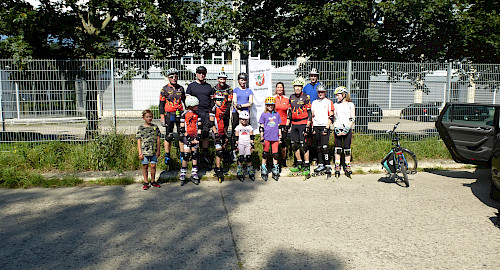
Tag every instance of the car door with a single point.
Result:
(468, 138)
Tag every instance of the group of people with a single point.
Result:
(202, 111)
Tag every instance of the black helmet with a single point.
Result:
(201, 69)
(243, 75)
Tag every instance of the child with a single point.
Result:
(270, 132)
(148, 145)
(217, 122)
(323, 115)
(191, 125)
(244, 140)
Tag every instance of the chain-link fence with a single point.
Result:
(74, 100)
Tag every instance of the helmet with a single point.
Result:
(243, 75)
(192, 101)
(218, 95)
(320, 88)
(340, 90)
(299, 81)
(172, 71)
(314, 72)
(244, 115)
(222, 74)
(201, 69)
(270, 101)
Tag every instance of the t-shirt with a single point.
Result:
(149, 136)
(171, 98)
(299, 106)
(218, 115)
(243, 97)
(321, 111)
(204, 92)
(282, 107)
(244, 133)
(227, 92)
(271, 122)
(311, 91)
(192, 122)
(343, 113)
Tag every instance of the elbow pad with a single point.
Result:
(252, 137)
(183, 130)
(352, 119)
(332, 118)
(261, 129)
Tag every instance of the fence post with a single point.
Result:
(18, 103)
(1, 103)
(448, 83)
(113, 94)
(349, 75)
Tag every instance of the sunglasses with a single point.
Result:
(204, 73)
(219, 99)
(173, 76)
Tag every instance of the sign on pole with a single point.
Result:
(260, 82)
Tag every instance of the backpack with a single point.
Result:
(389, 162)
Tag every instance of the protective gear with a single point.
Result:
(241, 158)
(243, 75)
(332, 118)
(239, 107)
(299, 81)
(261, 130)
(216, 136)
(219, 153)
(326, 154)
(303, 146)
(275, 156)
(270, 101)
(252, 137)
(167, 158)
(244, 115)
(172, 71)
(185, 156)
(218, 95)
(320, 88)
(201, 69)
(248, 158)
(192, 101)
(338, 130)
(295, 146)
(308, 130)
(194, 155)
(182, 130)
(325, 130)
(347, 151)
(346, 130)
(222, 74)
(340, 90)
(338, 150)
(314, 71)
(264, 154)
(170, 137)
(352, 119)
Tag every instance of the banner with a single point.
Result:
(260, 81)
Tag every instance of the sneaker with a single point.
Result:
(145, 186)
(154, 184)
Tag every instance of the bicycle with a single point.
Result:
(399, 159)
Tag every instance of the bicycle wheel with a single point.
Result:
(411, 161)
(402, 166)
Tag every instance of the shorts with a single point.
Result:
(188, 144)
(205, 124)
(244, 149)
(319, 138)
(272, 144)
(284, 136)
(171, 122)
(149, 159)
(221, 143)
(297, 133)
(343, 141)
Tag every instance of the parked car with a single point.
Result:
(374, 113)
(424, 112)
(471, 134)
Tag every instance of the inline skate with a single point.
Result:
(240, 174)
(219, 174)
(251, 173)
(195, 178)
(307, 172)
(276, 172)
(263, 172)
(337, 170)
(348, 171)
(182, 177)
(296, 171)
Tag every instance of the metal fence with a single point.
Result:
(43, 100)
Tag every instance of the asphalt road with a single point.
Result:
(445, 220)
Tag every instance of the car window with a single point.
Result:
(470, 114)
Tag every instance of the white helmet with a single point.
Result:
(222, 74)
(320, 88)
(299, 81)
(340, 90)
(314, 72)
(244, 115)
(192, 101)
(172, 71)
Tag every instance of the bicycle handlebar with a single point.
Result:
(392, 131)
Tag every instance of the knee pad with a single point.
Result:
(325, 149)
(205, 134)
(338, 150)
(219, 153)
(276, 156)
(170, 137)
(241, 158)
(347, 151)
(303, 146)
(248, 158)
(194, 155)
(264, 154)
(295, 146)
(185, 156)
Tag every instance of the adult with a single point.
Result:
(299, 121)
(172, 97)
(322, 117)
(204, 92)
(281, 107)
(345, 115)
(310, 88)
(242, 101)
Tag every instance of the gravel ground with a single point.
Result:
(445, 220)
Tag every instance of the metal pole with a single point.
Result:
(390, 95)
(113, 92)
(18, 104)
(349, 75)
(1, 103)
(448, 83)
